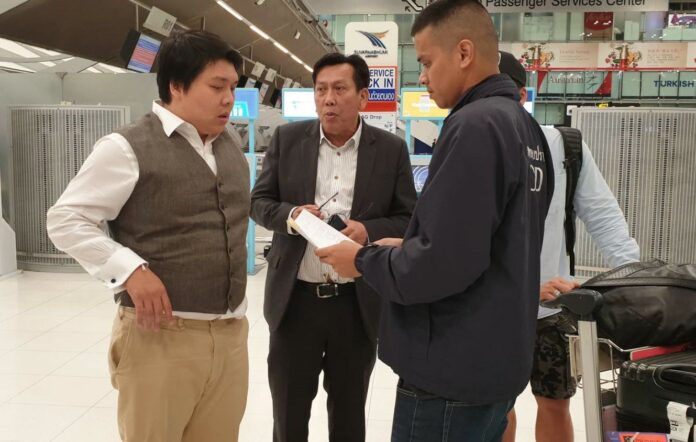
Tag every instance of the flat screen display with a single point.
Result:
(144, 54)
(299, 103)
(246, 104)
(418, 104)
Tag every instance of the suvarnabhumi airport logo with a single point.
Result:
(376, 40)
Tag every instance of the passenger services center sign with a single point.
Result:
(574, 5)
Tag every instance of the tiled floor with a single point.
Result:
(54, 383)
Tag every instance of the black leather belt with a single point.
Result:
(327, 290)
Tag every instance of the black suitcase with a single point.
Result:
(646, 386)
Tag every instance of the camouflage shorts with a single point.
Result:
(551, 371)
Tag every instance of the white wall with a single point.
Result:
(134, 90)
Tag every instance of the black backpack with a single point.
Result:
(572, 146)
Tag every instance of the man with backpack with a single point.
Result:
(580, 190)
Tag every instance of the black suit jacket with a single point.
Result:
(383, 201)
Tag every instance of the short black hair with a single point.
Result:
(361, 73)
(439, 11)
(185, 54)
(456, 20)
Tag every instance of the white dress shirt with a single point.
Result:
(77, 223)
(336, 170)
(595, 206)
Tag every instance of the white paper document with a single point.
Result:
(316, 231)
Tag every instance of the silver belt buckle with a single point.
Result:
(320, 295)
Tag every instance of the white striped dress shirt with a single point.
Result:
(335, 173)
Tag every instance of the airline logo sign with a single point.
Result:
(376, 39)
(376, 42)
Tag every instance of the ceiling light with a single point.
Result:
(45, 51)
(281, 47)
(297, 35)
(260, 32)
(294, 57)
(259, 2)
(113, 69)
(50, 64)
(16, 48)
(229, 9)
(93, 70)
(14, 66)
(308, 68)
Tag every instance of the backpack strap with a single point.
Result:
(572, 146)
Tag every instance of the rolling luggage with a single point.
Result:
(647, 386)
(635, 305)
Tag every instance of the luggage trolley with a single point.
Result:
(585, 360)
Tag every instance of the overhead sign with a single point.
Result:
(575, 5)
(342, 7)
(610, 56)
(376, 42)
(639, 56)
(417, 104)
(159, 21)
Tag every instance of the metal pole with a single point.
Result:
(409, 143)
(251, 231)
(589, 353)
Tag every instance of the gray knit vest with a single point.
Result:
(189, 225)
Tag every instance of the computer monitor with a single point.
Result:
(416, 103)
(298, 103)
(246, 104)
(139, 51)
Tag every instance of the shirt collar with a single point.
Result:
(172, 122)
(355, 138)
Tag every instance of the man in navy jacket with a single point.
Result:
(461, 290)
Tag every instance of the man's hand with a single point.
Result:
(356, 231)
(150, 298)
(393, 242)
(341, 257)
(311, 208)
(551, 289)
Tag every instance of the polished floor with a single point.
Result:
(54, 384)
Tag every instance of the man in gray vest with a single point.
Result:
(173, 188)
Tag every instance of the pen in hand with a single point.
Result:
(327, 201)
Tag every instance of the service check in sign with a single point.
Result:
(382, 88)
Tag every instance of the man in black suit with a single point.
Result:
(318, 320)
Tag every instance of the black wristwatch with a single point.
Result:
(362, 251)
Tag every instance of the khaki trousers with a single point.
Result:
(186, 382)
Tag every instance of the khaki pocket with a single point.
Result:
(118, 349)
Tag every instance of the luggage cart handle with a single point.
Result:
(581, 302)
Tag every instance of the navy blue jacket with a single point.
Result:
(462, 291)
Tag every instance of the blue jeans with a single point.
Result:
(425, 418)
